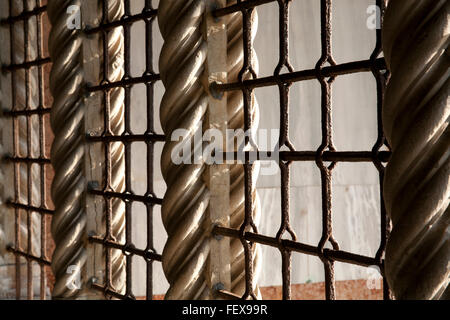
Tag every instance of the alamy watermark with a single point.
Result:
(208, 148)
(74, 281)
(74, 20)
(374, 19)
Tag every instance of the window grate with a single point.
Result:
(27, 116)
(111, 138)
(326, 157)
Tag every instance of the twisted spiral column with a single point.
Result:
(235, 105)
(117, 150)
(184, 105)
(67, 121)
(416, 118)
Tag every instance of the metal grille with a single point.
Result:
(326, 157)
(28, 115)
(127, 138)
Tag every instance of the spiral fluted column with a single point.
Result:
(235, 106)
(117, 150)
(67, 121)
(416, 118)
(184, 105)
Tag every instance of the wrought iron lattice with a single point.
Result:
(111, 138)
(326, 157)
(29, 122)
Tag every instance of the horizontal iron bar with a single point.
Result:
(335, 255)
(330, 71)
(30, 208)
(28, 112)
(126, 196)
(125, 82)
(128, 138)
(129, 249)
(112, 293)
(24, 15)
(29, 256)
(146, 14)
(239, 7)
(26, 65)
(28, 160)
(333, 156)
(336, 156)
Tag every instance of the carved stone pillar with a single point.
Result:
(416, 118)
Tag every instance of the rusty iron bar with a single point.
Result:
(26, 113)
(293, 156)
(125, 20)
(247, 70)
(381, 76)
(335, 255)
(41, 210)
(41, 161)
(24, 15)
(29, 257)
(327, 144)
(126, 82)
(26, 65)
(284, 141)
(109, 293)
(127, 196)
(151, 137)
(240, 6)
(287, 78)
(128, 249)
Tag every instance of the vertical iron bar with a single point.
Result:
(107, 132)
(381, 80)
(128, 189)
(248, 166)
(39, 44)
(15, 128)
(327, 144)
(284, 142)
(29, 154)
(150, 147)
